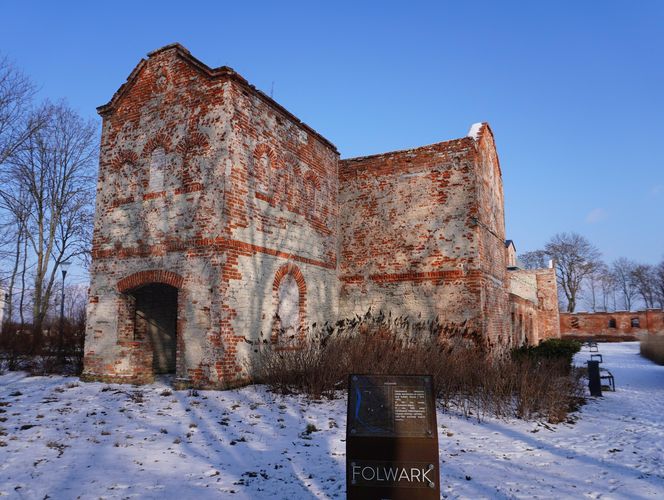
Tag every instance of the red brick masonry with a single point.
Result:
(208, 186)
(619, 325)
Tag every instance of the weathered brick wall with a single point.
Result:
(205, 178)
(548, 320)
(533, 305)
(491, 240)
(405, 233)
(523, 320)
(289, 217)
(618, 325)
(523, 306)
(422, 235)
(523, 283)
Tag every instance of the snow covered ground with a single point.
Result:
(60, 438)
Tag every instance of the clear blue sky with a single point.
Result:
(574, 90)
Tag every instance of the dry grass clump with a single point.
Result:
(652, 347)
(465, 377)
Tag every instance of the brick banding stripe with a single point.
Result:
(414, 277)
(220, 243)
(156, 194)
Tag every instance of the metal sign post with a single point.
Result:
(392, 438)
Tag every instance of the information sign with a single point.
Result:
(391, 438)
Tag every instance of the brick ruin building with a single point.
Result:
(222, 219)
(533, 298)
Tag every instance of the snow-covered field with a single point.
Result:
(60, 438)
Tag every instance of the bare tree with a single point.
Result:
(17, 122)
(608, 287)
(54, 167)
(76, 300)
(643, 280)
(595, 282)
(576, 258)
(537, 259)
(15, 208)
(622, 270)
(659, 283)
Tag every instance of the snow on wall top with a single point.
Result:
(474, 131)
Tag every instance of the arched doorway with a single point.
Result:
(156, 323)
(288, 309)
(290, 297)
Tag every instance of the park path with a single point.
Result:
(614, 449)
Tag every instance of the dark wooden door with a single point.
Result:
(156, 308)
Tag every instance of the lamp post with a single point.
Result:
(64, 266)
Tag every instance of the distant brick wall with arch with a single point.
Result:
(616, 325)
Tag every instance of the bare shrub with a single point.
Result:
(546, 387)
(15, 346)
(652, 347)
(53, 353)
(465, 376)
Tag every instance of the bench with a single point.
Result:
(605, 374)
(597, 356)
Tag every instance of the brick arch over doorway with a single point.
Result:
(131, 331)
(285, 272)
(152, 276)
